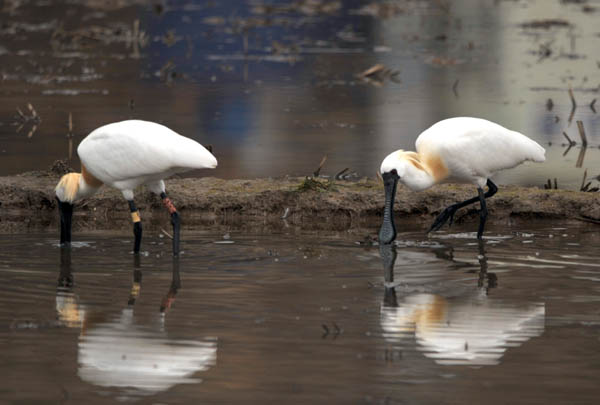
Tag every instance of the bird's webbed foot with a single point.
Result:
(445, 216)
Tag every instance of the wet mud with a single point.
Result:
(27, 202)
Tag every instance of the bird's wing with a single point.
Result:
(478, 147)
(132, 149)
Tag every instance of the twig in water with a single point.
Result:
(592, 105)
(573, 102)
(549, 104)
(70, 136)
(166, 233)
(582, 134)
(316, 172)
(580, 157)
(455, 87)
(339, 175)
(583, 181)
(593, 221)
(571, 142)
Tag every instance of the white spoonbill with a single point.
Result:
(125, 155)
(455, 150)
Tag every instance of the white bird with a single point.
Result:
(455, 150)
(125, 155)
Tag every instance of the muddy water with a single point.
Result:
(303, 318)
(274, 88)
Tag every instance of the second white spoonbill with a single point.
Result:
(455, 150)
(125, 155)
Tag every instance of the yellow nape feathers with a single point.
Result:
(67, 187)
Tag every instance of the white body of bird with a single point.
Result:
(129, 153)
(461, 150)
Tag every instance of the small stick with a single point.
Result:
(582, 133)
(555, 184)
(316, 172)
(580, 157)
(166, 233)
(338, 176)
(573, 102)
(583, 180)
(548, 186)
(454, 87)
(571, 142)
(592, 105)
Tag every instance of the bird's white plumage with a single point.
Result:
(475, 149)
(470, 149)
(129, 153)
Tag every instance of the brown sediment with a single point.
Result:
(27, 203)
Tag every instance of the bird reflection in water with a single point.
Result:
(471, 329)
(118, 352)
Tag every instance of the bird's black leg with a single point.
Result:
(448, 213)
(137, 226)
(175, 221)
(387, 233)
(65, 210)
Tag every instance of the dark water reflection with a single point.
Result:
(303, 318)
(273, 87)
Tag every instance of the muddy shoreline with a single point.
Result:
(27, 203)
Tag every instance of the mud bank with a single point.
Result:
(27, 203)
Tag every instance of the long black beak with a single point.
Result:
(65, 210)
(387, 233)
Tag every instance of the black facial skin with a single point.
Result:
(65, 210)
(387, 233)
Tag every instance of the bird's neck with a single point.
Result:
(86, 189)
(417, 176)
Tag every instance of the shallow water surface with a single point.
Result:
(303, 318)
(273, 86)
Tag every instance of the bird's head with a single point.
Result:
(68, 187)
(408, 168)
(394, 163)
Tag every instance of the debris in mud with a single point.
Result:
(61, 167)
(585, 187)
(377, 74)
(313, 184)
(548, 185)
(546, 24)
